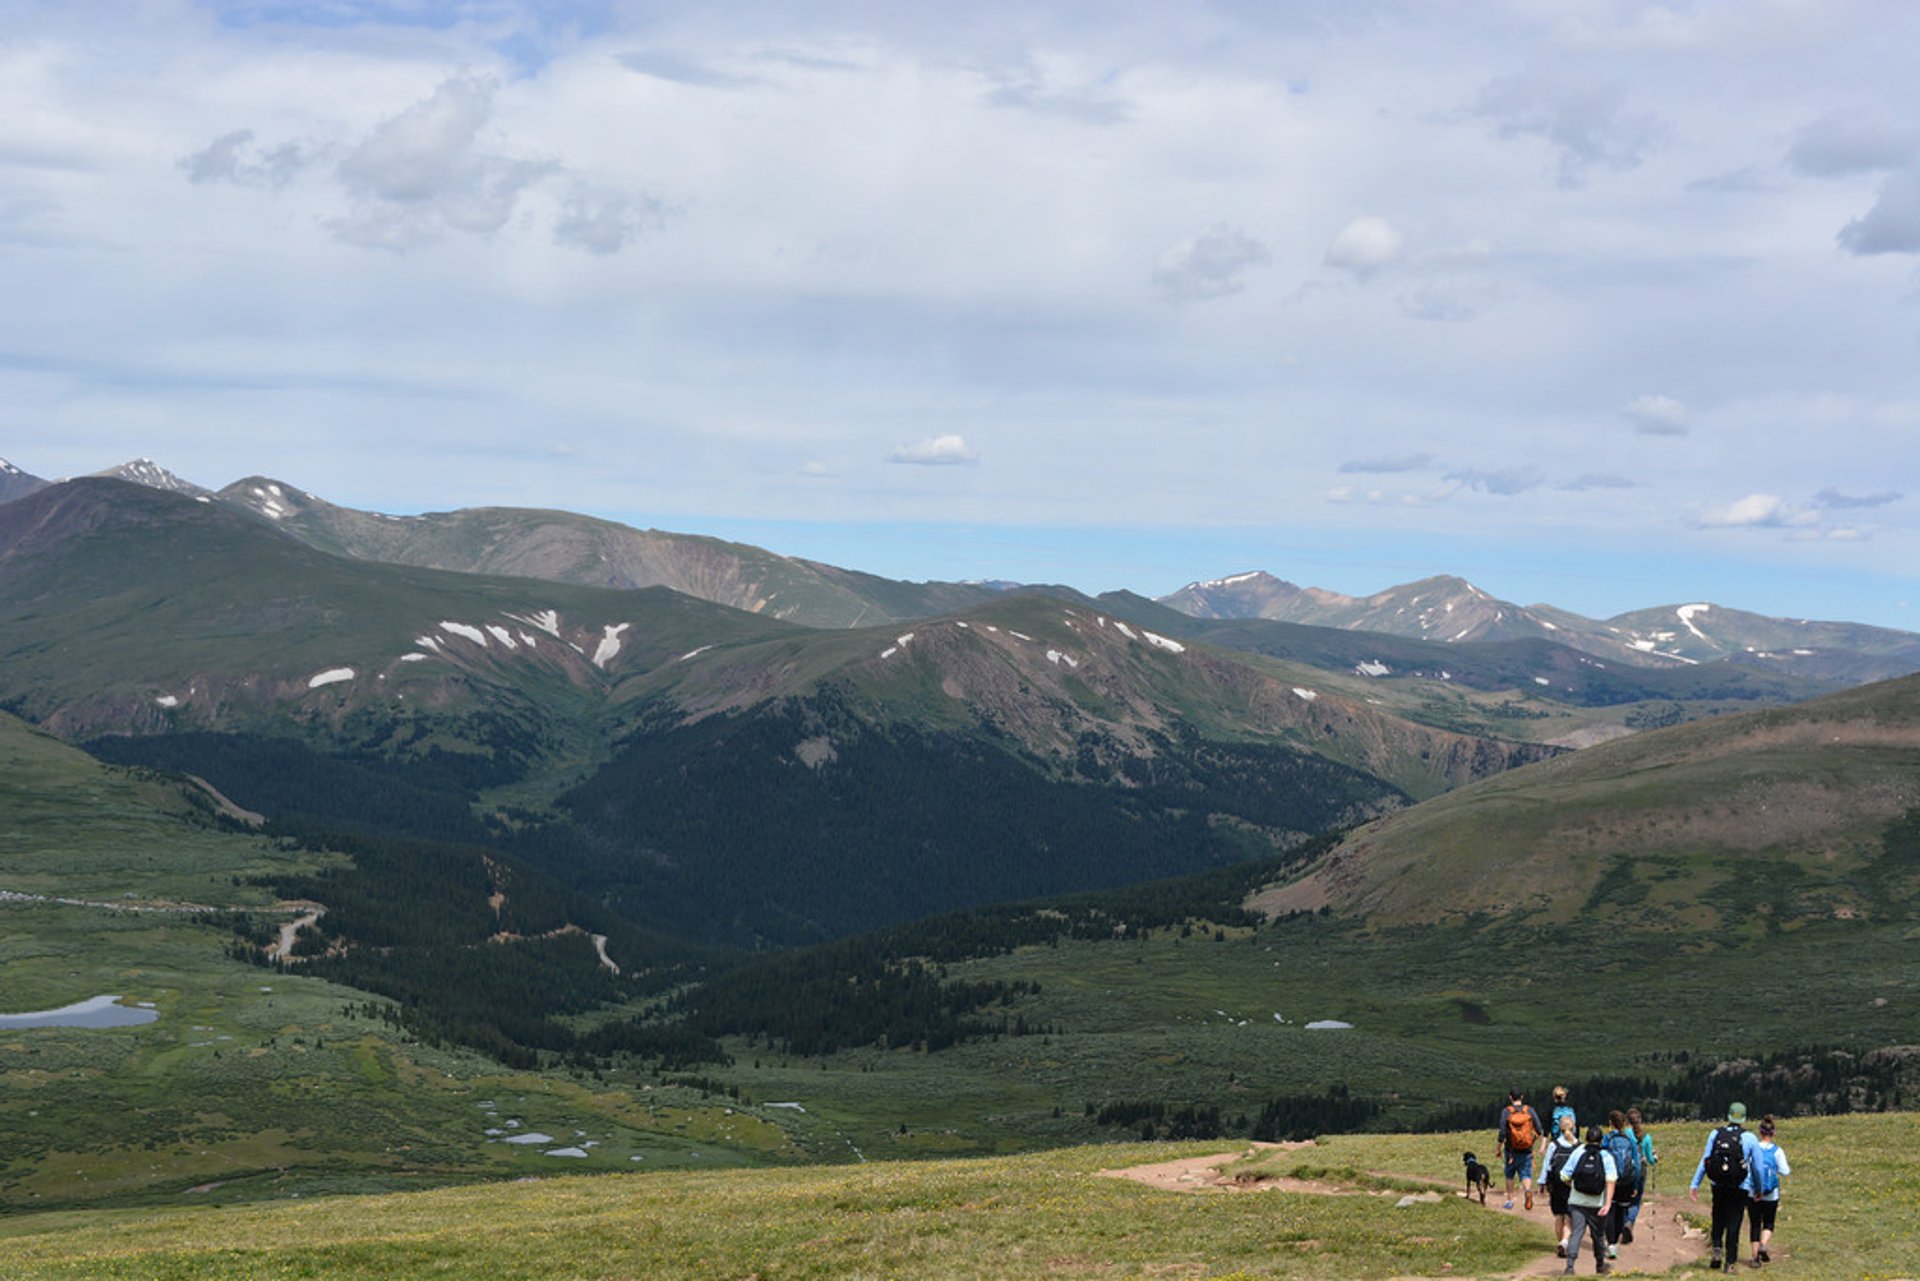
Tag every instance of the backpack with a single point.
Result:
(1726, 1159)
(1626, 1158)
(1590, 1173)
(1557, 1155)
(1520, 1131)
(1766, 1172)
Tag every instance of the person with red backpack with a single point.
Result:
(1518, 1131)
(1727, 1163)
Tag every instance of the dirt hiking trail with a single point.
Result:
(1662, 1241)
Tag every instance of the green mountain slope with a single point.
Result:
(755, 780)
(124, 609)
(1771, 817)
(564, 547)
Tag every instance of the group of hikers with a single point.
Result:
(1597, 1183)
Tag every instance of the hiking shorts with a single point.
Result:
(1519, 1164)
(1760, 1215)
(1557, 1193)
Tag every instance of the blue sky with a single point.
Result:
(1604, 304)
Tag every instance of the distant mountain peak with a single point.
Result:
(15, 483)
(144, 471)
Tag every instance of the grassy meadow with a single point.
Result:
(1847, 1213)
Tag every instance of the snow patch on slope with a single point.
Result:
(332, 676)
(609, 645)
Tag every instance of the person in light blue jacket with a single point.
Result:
(1589, 1210)
(1732, 1177)
(1763, 1189)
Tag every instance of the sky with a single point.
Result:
(1597, 303)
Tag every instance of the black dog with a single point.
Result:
(1479, 1178)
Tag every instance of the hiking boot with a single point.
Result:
(1764, 1256)
(1613, 1252)
(1560, 1251)
(1529, 1198)
(1603, 1269)
(1713, 1260)
(1733, 1266)
(1508, 1205)
(1626, 1236)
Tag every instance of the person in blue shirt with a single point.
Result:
(1732, 1184)
(1764, 1191)
(1589, 1210)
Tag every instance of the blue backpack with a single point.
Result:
(1766, 1172)
(1626, 1158)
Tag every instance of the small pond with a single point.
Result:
(100, 1011)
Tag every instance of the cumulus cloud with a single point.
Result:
(1588, 125)
(233, 158)
(1364, 246)
(1655, 415)
(423, 173)
(1504, 483)
(1892, 226)
(1759, 511)
(1849, 143)
(602, 222)
(1213, 264)
(1396, 463)
(1831, 497)
(935, 451)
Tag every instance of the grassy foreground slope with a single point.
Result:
(1847, 1214)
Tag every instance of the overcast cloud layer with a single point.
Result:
(1608, 304)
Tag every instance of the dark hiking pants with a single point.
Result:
(1729, 1207)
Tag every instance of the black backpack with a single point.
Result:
(1590, 1173)
(1556, 1162)
(1726, 1159)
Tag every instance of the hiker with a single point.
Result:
(1726, 1162)
(1553, 1177)
(1649, 1158)
(1624, 1148)
(1592, 1177)
(1518, 1131)
(1769, 1167)
(1561, 1108)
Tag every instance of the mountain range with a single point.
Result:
(632, 708)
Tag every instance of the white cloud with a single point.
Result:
(1892, 226)
(935, 451)
(1503, 482)
(603, 222)
(1758, 511)
(1598, 480)
(1656, 415)
(1213, 264)
(233, 158)
(1364, 246)
(422, 174)
(1588, 123)
(1831, 497)
(1851, 142)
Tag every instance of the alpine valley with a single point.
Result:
(456, 846)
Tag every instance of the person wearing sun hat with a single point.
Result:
(1727, 1162)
